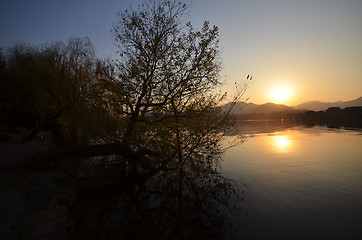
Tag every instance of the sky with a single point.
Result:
(296, 51)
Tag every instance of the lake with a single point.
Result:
(302, 183)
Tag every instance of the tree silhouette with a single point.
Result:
(50, 85)
(161, 86)
(162, 63)
(152, 113)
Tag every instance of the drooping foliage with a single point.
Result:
(53, 86)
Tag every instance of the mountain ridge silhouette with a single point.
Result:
(249, 107)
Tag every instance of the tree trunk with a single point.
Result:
(41, 160)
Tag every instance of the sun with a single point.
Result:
(280, 95)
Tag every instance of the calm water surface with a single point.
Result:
(304, 183)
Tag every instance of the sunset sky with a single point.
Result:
(306, 50)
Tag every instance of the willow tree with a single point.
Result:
(54, 85)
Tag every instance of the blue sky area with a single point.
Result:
(313, 48)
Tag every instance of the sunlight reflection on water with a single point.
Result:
(281, 143)
(302, 183)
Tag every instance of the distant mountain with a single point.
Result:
(267, 108)
(322, 106)
(248, 108)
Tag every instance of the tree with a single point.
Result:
(162, 63)
(53, 84)
(158, 93)
(73, 87)
(161, 86)
(169, 126)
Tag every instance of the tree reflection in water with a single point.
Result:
(155, 202)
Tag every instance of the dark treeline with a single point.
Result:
(335, 117)
(349, 117)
